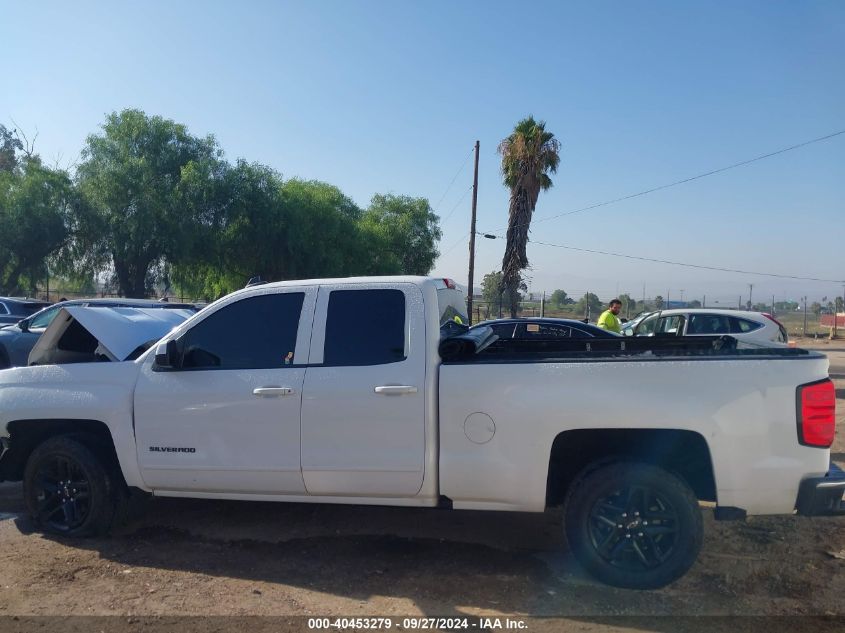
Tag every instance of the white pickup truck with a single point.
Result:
(334, 391)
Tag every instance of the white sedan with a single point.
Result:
(751, 327)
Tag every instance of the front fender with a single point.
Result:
(85, 391)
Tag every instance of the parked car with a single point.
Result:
(336, 391)
(17, 341)
(544, 328)
(13, 310)
(750, 327)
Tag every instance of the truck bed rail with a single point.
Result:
(639, 348)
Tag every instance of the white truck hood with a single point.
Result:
(86, 333)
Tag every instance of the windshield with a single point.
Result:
(44, 319)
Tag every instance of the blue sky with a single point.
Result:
(385, 96)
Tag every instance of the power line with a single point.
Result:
(666, 261)
(452, 247)
(461, 199)
(686, 180)
(454, 178)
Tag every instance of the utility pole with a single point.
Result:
(739, 303)
(543, 305)
(773, 306)
(805, 316)
(835, 311)
(750, 290)
(472, 235)
(704, 301)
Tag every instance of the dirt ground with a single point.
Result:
(191, 557)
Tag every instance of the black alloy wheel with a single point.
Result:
(72, 488)
(633, 525)
(62, 494)
(634, 528)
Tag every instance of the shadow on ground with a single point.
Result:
(462, 563)
(445, 562)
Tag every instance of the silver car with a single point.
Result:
(752, 327)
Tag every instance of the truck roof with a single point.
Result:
(412, 279)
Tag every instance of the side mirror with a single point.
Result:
(23, 324)
(167, 355)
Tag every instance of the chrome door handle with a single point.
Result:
(272, 391)
(395, 390)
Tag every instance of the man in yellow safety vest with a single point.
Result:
(609, 319)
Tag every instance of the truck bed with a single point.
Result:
(634, 348)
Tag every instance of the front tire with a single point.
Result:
(633, 525)
(69, 490)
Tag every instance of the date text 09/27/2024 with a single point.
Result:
(418, 623)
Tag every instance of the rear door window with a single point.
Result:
(365, 327)
(741, 326)
(542, 331)
(709, 325)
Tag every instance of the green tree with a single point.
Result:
(695, 303)
(407, 228)
(816, 308)
(559, 298)
(491, 292)
(34, 208)
(10, 145)
(274, 229)
(840, 302)
(529, 155)
(136, 217)
(589, 303)
(658, 302)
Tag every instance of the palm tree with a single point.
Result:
(529, 155)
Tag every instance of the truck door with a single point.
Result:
(227, 420)
(363, 407)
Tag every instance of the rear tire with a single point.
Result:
(70, 491)
(633, 525)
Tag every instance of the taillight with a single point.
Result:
(816, 408)
(450, 283)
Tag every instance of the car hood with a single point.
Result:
(87, 334)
